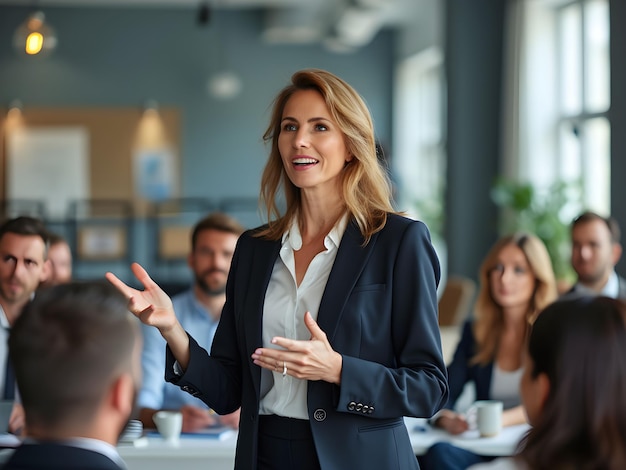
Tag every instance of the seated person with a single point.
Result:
(213, 241)
(516, 282)
(596, 249)
(60, 261)
(573, 388)
(23, 266)
(76, 351)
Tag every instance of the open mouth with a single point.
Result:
(304, 161)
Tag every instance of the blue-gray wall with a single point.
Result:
(617, 115)
(474, 38)
(125, 56)
(162, 54)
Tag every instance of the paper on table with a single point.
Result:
(213, 432)
(9, 440)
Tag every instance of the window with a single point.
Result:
(565, 98)
(419, 158)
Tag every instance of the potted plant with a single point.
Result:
(546, 213)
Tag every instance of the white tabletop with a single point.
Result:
(196, 453)
(504, 444)
(190, 453)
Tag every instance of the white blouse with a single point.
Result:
(283, 315)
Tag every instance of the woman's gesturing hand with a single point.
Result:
(313, 359)
(152, 306)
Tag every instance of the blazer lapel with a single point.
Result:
(349, 263)
(264, 255)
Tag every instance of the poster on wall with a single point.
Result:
(154, 173)
(50, 164)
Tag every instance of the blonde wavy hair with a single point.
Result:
(488, 316)
(366, 186)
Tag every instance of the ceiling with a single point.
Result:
(339, 24)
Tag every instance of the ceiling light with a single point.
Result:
(358, 26)
(224, 85)
(34, 36)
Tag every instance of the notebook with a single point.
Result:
(219, 433)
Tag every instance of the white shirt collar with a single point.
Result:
(4, 321)
(294, 238)
(610, 289)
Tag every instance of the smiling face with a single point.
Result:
(512, 280)
(310, 143)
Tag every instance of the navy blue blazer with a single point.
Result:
(460, 371)
(379, 310)
(52, 456)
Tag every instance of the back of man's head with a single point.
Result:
(69, 346)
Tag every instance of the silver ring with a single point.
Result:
(284, 368)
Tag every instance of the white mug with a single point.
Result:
(488, 417)
(169, 424)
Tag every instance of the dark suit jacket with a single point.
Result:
(574, 292)
(49, 456)
(379, 310)
(460, 371)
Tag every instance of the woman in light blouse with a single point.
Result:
(517, 281)
(329, 334)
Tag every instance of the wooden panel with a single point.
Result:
(114, 133)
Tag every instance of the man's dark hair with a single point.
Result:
(67, 347)
(25, 225)
(611, 223)
(216, 221)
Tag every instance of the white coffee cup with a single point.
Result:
(169, 424)
(488, 417)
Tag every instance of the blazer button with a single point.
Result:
(371, 410)
(351, 406)
(319, 414)
(359, 407)
(365, 409)
(192, 391)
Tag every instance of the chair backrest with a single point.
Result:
(455, 301)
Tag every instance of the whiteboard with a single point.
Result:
(49, 164)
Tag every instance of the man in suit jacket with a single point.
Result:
(596, 249)
(76, 354)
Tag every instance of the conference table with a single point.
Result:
(196, 453)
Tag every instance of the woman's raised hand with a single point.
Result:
(152, 306)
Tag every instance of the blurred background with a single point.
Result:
(124, 121)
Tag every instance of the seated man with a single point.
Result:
(213, 241)
(596, 249)
(60, 258)
(23, 266)
(76, 354)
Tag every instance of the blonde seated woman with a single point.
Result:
(516, 282)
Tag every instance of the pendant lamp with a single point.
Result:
(34, 37)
